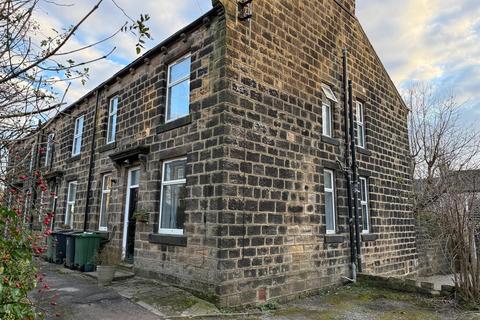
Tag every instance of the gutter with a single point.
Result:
(92, 159)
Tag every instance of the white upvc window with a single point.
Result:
(327, 114)
(32, 157)
(77, 136)
(70, 205)
(365, 210)
(49, 149)
(330, 209)
(172, 204)
(112, 119)
(105, 202)
(178, 89)
(360, 123)
(327, 118)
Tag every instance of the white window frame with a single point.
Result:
(112, 119)
(360, 124)
(327, 90)
(165, 183)
(334, 209)
(327, 117)
(365, 213)
(49, 148)
(69, 219)
(77, 135)
(105, 191)
(32, 157)
(169, 85)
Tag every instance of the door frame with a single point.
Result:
(127, 208)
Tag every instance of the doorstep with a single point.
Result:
(119, 275)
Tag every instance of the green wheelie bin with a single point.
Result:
(87, 245)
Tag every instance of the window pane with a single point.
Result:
(364, 216)
(77, 145)
(107, 182)
(180, 70)
(134, 177)
(361, 136)
(72, 189)
(113, 105)
(173, 207)
(329, 93)
(327, 120)
(360, 112)
(112, 124)
(70, 213)
(178, 100)
(79, 125)
(329, 211)
(104, 212)
(328, 180)
(175, 170)
(363, 189)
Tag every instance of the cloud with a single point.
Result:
(166, 17)
(429, 40)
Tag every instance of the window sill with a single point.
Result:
(334, 238)
(364, 151)
(108, 146)
(367, 237)
(330, 140)
(168, 239)
(180, 122)
(73, 159)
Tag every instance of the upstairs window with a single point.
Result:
(112, 120)
(105, 202)
(77, 136)
(330, 209)
(70, 205)
(360, 124)
(32, 157)
(49, 149)
(178, 89)
(365, 212)
(172, 204)
(327, 115)
(327, 118)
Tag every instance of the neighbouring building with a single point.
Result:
(227, 141)
(458, 188)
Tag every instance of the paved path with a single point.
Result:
(80, 298)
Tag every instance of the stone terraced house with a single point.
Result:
(228, 138)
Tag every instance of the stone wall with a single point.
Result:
(273, 242)
(255, 227)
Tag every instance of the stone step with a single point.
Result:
(119, 275)
(125, 267)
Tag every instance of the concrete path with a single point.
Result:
(80, 298)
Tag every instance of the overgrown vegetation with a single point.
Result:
(17, 271)
(444, 152)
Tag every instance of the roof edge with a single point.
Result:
(138, 61)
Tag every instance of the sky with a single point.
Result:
(437, 41)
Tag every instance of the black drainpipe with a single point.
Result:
(90, 166)
(347, 164)
(355, 179)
